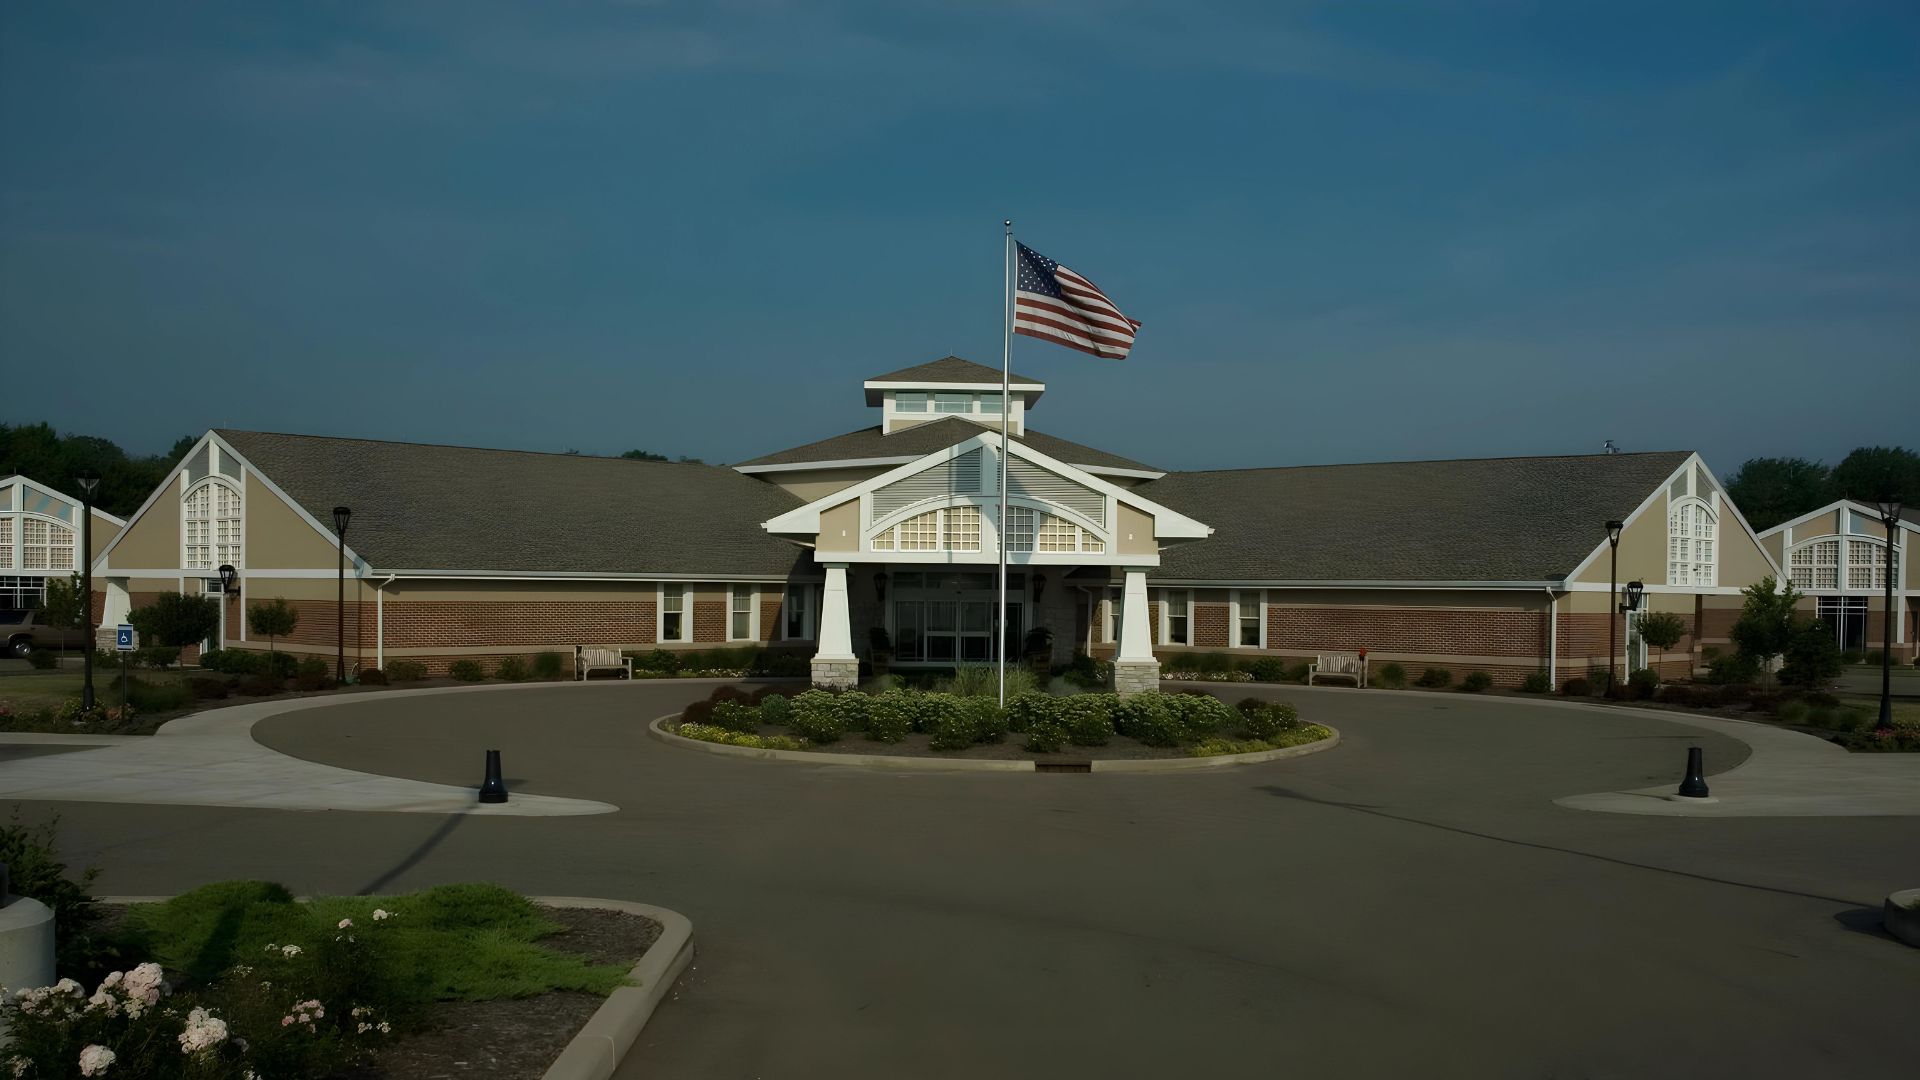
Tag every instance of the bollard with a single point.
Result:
(494, 790)
(1695, 785)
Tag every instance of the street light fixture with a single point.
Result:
(340, 516)
(228, 575)
(1613, 591)
(1889, 516)
(88, 480)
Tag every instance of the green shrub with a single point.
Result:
(313, 673)
(1298, 672)
(32, 858)
(659, 661)
(158, 697)
(1021, 680)
(1809, 657)
(205, 688)
(889, 716)
(1214, 747)
(735, 716)
(1476, 681)
(955, 731)
(712, 734)
(1200, 714)
(176, 620)
(157, 656)
(1268, 669)
(1270, 720)
(551, 666)
(43, 660)
(974, 680)
(729, 693)
(261, 685)
(1792, 712)
(1852, 656)
(989, 720)
(1150, 718)
(1209, 663)
(406, 670)
(1732, 668)
(1023, 710)
(1642, 682)
(1838, 717)
(775, 709)
(1086, 673)
(370, 676)
(819, 716)
(1434, 678)
(1576, 687)
(1897, 740)
(1390, 676)
(1046, 733)
(699, 712)
(1537, 682)
(1874, 657)
(1662, 629)
(511, 669)
(1088, 719)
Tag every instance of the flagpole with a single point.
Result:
(1006, 406)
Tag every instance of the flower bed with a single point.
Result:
(901, 721)
(244, 982)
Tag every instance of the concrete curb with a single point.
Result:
(609, 1034)
(1902, 916)
(597, 1048)
(897, 762)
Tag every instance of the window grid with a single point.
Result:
(962, 528)
(1247, 606)
(673, 613)
(6, 544)
(1815, 565)
(1020, 528)
(1690, 544)
(45, 546)
(1175, 606)
(742, 613)
(1866, 565)
(1058, 535)
(920, 532)
(212, 526)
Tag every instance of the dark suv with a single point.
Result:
(24, 633)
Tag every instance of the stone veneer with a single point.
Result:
(1134, 676)
(836, 674)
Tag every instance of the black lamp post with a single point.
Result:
(340, 516)
(88, 480)
(1613, 592)
(1889, 516)
(1635, 590)
(228, 575)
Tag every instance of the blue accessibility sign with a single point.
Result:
(123, 637)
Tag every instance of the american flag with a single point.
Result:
(1052, 302)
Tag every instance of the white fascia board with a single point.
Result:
(1296, 583)
(842, 463)
(806, 519)
(974, 387)
(1136, 474)
(565, 575)
(167, 484)
(1601, 547)
(20, 480)
(1839, 504)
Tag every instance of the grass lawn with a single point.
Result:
(1906, 711)
(47, 689)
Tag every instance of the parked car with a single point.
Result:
(24, 632)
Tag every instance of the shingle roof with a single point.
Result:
(949, 369)
(1488, 519)
(422, 507)
(937, 435)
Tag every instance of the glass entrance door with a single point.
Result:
(947, 618)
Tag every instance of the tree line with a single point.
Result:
(40, 453)
(1771, 490)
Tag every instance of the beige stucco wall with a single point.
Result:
(1643, 551)
(840, 528)
(811, 484)
(103, 533)
(1133, 532)
(277, 538)
(1742, 560)
(151, 541)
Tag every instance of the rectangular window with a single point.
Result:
(1247, 618)
(1866, 565)
(941, 624)
(740, 616)
(23, 593)
(1815, 565)
(913, 403)
(6, 544)
(1019, 528)
(1176, 609)
(963, 528)
(990, 404)
(673, 613)
(907, 641)
(1116, 615)
(953, 403)
(799, 612)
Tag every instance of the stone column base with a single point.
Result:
(836, 674)
(1134, 676)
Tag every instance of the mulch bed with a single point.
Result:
(520, 1038)
(1013, 748)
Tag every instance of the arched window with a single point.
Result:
(1691, 532)
(1815, 565)
(212, 526)
(45, 545)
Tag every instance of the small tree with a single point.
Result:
(176, 621)
(1662, 629)
(1812, 655)
(272, 619)
(64, 604)
(1766, 622)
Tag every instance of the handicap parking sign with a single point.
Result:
(123, 638)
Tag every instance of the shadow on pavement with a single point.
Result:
(414, 858)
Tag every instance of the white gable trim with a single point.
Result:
(20, 480)
(1839, 504)
(1726, 504)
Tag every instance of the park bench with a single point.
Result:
(1339, 665)
(589, 658)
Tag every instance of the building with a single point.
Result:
(1837, 556)
(40, 534)
(887, 537)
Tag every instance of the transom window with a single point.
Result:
(741, 615)
(914, 403)
(45, 545)
(1029, 529)
(212, 520)
(1815, 565)
(953, 403)
(948, 528)
(23, 593)
(1691, 535)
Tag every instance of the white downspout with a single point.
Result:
(1553, 641)
(380, 622)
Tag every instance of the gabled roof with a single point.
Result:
(20, 478)
(950, 369)
(871, 446)
(456, 508)
(1909, 515)
(1519, 520)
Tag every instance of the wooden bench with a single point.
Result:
(588, 658)
(1339, 665)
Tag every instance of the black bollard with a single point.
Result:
(1695, 785)
(494, 790)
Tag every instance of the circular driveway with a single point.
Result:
(1409, 903)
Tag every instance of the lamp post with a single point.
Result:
(1613, 592)
(340, 516)
(228, 575)
(88, 480)
(1635, 590)
(1889, 516)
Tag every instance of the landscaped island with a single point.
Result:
(1184, 724)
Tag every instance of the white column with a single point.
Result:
(836, 627)
(1136, 639)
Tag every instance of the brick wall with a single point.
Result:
(418, 624)
(1210, 625)
(770, 604)
(1451, 631)
(710, 622)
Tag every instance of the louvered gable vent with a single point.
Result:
(960, 476)
(1030, 480)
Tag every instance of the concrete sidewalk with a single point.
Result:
(211, 759)
(1788, 775)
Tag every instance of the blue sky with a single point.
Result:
(1353, 232)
